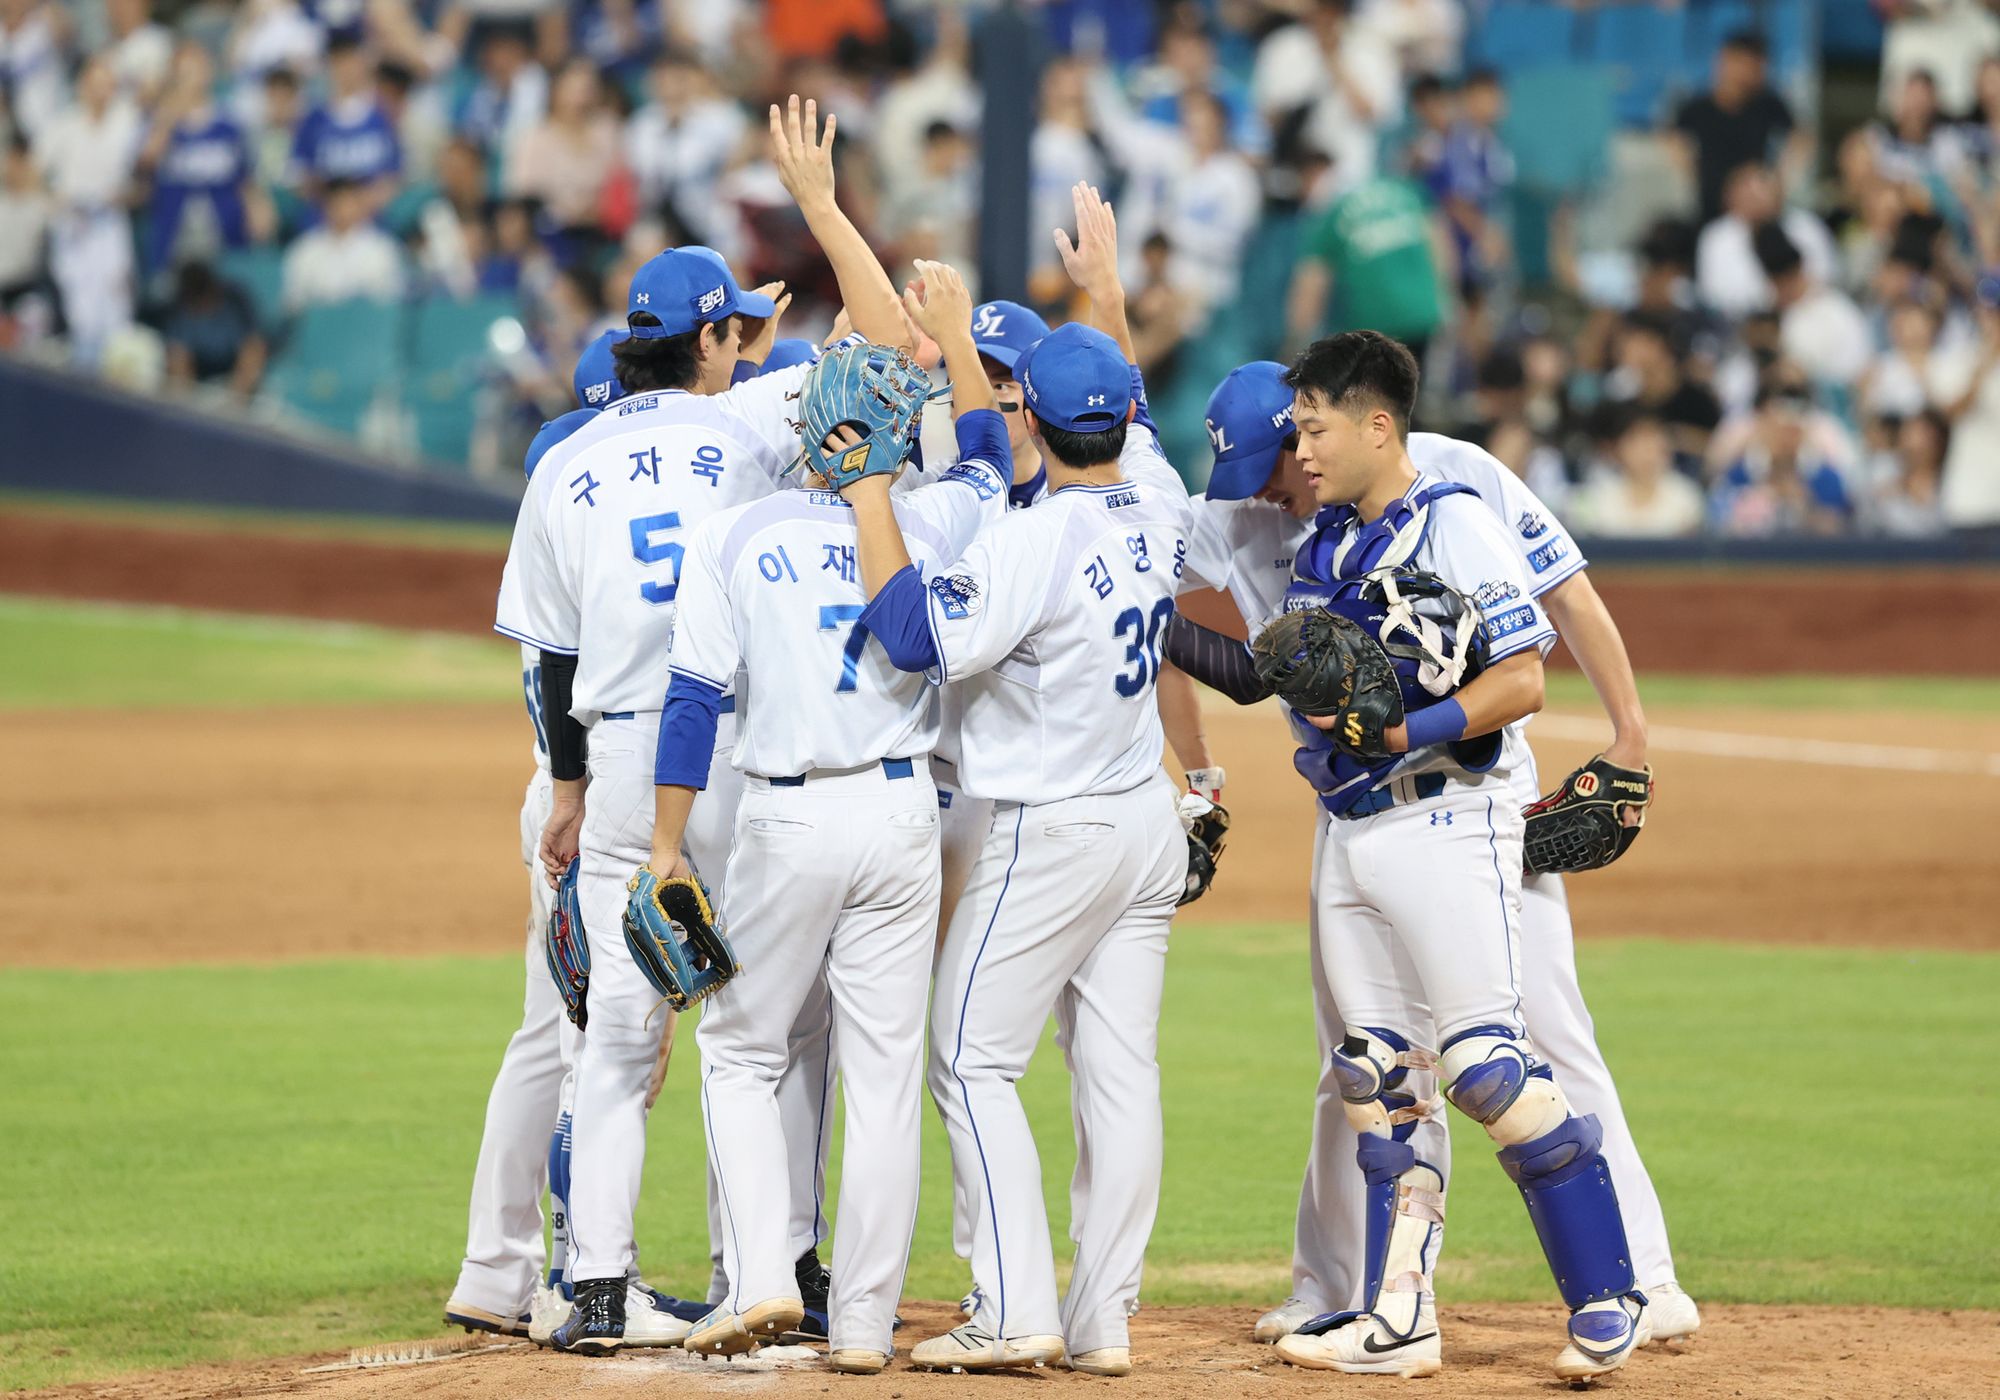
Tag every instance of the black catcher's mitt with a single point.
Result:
(1580, 826)
(1320, 663)
(1207, 826)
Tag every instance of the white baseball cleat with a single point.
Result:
(647, 1324)
(1288, 1316)
(474, 1319)
(1103, 1361)
(1672, 1313)
(1602, 1338)
(973, 1348)
(726, 1333)
(547, 1310)
(857, 1361)
(1364, 1346)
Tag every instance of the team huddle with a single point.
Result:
(850, 706)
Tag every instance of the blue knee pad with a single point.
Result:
(1361, 1078)
(1567, 1186)
(1488, 1089)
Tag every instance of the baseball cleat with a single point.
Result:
(481, 1320)
(1103, 1361)
(597, 1319)
(726, 1333)
(1363, 1345)
(858, 1361)
(815, 1283)
(686, 1309)
(547, 1310)
(1671, 1312)
(973, 1348)
(1288, 1316)
(647, 1324)
(1602, 1337)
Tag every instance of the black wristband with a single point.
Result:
(1220, 662)
(568, 739)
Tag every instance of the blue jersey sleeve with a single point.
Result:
(982, 437)
(897, 618)
(687, 732)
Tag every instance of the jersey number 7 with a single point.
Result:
(831, 617)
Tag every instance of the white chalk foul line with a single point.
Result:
(1829, 753)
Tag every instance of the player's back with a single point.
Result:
(1082, 585)
(598, 552)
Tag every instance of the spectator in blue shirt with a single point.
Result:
(1781, 484)
(201, 167)
(1473, 172)
(348, 136)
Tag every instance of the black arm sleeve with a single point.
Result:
(1219, 662)
(566, 736)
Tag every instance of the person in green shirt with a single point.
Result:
(1373, 261)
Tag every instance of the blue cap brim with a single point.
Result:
(1001, 355)
(1242, 474)
(752, 304)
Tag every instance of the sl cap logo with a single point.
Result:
(1218, 436)
(709, 300)
(986, 322)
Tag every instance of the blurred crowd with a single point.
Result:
(1806, 341)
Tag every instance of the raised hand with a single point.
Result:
(760, 335)
(939, 303)
(802, 152)
(1092, 261)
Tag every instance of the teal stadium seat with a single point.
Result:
(260, 271)
(448, 354)
(1644, 48)
(1517, 34)
(337, 361)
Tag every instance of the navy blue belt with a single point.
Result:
(728, 707)
(891, 768)
(1381, 799)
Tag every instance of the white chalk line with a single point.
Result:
(1827, 753)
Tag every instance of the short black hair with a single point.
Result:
(1776, 253)
(667, 363)
(1427, 86)
(343, 41)
(395, 75)
(1356, 368)
(1747, 41)
(939, 130)
(1481, 76)
(1074, 449)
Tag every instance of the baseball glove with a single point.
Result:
(1580, 826)
(566, 948)
(1207, 826)
(878, 392)
(1320, 663)
(675, 937)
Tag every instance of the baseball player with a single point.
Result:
(498, 1287)
(1418, 888)
(1255, 515)
(591, 581)
(835, 864)
(1050, 624)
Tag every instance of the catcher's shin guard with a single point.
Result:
(1567, 1185)
(1404, 1209)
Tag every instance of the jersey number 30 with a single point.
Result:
(647, 552)
(1143, 651)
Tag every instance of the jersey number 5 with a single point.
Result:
(1143, 651)
(647, 552)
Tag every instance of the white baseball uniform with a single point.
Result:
(834, 872)
(1246, 549)
(594, 571)
(1051, 626)
(503, 1238)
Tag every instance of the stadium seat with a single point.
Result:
(1519, 34)
(260, 271)
(1643, 47)
(337, 361)
(447, 354)
(1559, 124)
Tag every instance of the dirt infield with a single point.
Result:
(1739, 621)
(424, 802)
(1491, 1353)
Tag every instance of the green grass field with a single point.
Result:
(222, 1162)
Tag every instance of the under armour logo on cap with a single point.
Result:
(1095, 400)
(643, 297)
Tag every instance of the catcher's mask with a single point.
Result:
(1435, 637)
(877, 391)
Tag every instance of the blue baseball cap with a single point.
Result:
(1076, 378)
(786, 353)
(688, 287)
(1249, 417)
(596, 377)
(1004, 331)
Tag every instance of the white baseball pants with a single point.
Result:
(503, 1238)
(1075, 895)
(608, 1121)
(835, 879)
